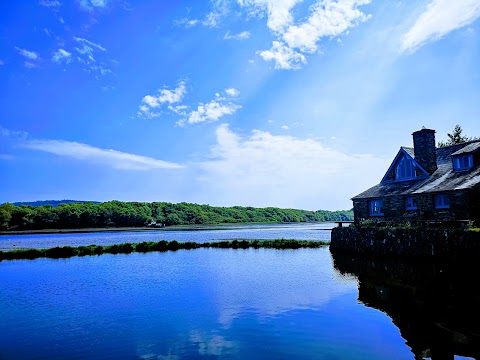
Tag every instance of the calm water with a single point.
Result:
(237, 304)
(305, 231)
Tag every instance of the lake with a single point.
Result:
(298, 231)
(237, 304)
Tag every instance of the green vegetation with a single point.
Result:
(456, 137)
(136, 214)
(143, 247)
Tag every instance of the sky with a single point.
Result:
(285, 103)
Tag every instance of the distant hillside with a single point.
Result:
(54, 203)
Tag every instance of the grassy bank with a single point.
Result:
(143, 247)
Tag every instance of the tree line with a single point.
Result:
(137, 214)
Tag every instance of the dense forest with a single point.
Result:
(135, 214)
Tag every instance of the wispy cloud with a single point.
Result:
(27, 54)
(89, 43)
(440, 18)
(219, 9)
(266, 169)
(61, 56)
(108, 157)
(93, 4)
(7, 157)
(86, 54)
(240, 36)
(50, 3)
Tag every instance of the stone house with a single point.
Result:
(426, 183)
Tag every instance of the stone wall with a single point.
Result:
(462, 204)
(405, 242)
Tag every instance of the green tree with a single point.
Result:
(455, 137)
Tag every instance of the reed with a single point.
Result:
(149, 246)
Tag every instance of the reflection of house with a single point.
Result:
(426, 183)
(434, 304)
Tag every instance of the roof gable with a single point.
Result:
(404, 153)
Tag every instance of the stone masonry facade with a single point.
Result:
(463, 204)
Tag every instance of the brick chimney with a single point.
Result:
(424, 149)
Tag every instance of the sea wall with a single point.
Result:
(405, 242)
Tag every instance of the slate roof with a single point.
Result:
(470, 148)
(443, 179)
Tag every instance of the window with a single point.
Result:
(405, 169)
(410, 203)
(442, 201)
(376, 207)
(463, 162)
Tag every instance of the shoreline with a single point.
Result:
(196, 227)
(73, 231)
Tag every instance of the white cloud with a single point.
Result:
(232, 92)
(278, 11)
(29, 64)
(440, 18)
(284, 56)
(327, 19)
(285, 127)
(212, 111)
(50, 3)
(219, 10)
(30, 55)
(264, 169)
(86, 55)
(61, 55)
(221, 105)
(240, 36)
(294, 39)
(87, 50)
(151, 102)
(107, 157)
(92, 4)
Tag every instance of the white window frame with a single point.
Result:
(375, 207)
(405, 166)
(463, 162)
(442, 201)
(411, 203)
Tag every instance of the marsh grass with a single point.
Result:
(149, 246)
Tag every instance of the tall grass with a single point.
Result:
(149, 246)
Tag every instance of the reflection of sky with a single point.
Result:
(292, 279)
(190, 304)
(302, 231)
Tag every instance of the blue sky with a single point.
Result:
(284, 103)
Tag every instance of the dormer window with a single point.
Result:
(405, 169)
(463, 162)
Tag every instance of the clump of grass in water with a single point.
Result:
(149, 246)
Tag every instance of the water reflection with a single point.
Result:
(436, 305)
